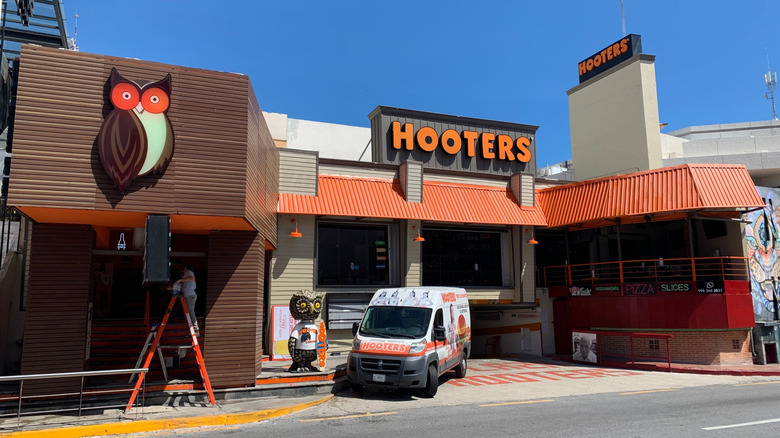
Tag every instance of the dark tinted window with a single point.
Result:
(352, 255)
(461, 258)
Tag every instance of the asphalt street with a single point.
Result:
(524, 398)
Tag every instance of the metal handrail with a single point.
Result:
(648, 270)
(74, 374)
(631, 336)
(80, 374)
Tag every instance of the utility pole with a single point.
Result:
(770, 79)
(623, 17)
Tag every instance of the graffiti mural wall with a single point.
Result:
(763, 250)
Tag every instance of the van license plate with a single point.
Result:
(379, 377)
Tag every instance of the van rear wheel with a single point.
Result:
(460, 370)
(432, 384)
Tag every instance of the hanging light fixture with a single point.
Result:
(532, 240)
(295, 232)
(419, 238)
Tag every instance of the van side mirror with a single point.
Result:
(355, 326)
(439, 334)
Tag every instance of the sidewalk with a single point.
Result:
(723, 370)
(276, 393)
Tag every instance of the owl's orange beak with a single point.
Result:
(139, 108)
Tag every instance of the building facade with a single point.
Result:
(73, 177)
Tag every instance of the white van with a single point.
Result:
(409, 337)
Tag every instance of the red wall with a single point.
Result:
(670, 310)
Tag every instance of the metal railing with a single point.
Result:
(632, 356)
(81, 393)
(649, 270)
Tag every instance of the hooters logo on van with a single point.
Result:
(384, 347)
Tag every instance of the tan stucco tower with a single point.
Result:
(615, 112)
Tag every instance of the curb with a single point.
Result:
(164, 424)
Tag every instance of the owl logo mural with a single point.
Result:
(136, 137)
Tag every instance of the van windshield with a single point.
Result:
(396, 322)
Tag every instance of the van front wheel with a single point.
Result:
(432, 384)
(460, 370)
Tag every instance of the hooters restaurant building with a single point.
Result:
(102, 144)
(103, 147)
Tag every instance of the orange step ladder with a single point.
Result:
(151, 350)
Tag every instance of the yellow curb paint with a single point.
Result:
(516, 403)
(758, 383)
(164, 424)
(367, 414)
(648, 392)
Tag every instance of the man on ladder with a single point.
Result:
(186, 283)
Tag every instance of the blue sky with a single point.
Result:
(513, 61)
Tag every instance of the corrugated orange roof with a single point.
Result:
(667, 190)
(383, 198)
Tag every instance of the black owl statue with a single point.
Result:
(305, 306)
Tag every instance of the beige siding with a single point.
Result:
(366, 172)
(490, 294)
(527, 189)
(292, 266)
(414, 182)
(467, 179)
(297, 172)
(527, 269)
(412, 273)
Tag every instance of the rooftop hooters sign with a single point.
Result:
(610, 56)
(451, 142)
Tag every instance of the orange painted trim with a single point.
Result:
(175, 387)
(180, 223)
(301, 379)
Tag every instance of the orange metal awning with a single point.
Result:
(383, 198)
(668, 192)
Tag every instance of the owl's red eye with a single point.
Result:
(124, 96)
(155, 100)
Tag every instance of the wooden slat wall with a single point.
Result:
(298, 172)
(262, 172)
(56, 321)
(233, 342)
(60, 108)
